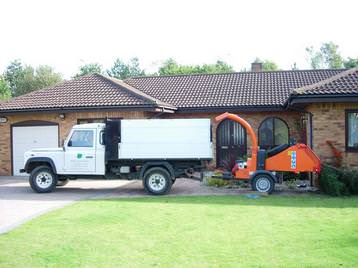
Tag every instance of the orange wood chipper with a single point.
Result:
(261, 168)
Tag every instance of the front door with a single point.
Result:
(80, 155)
(231, 143)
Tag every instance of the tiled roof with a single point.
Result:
(240, 90)
(344, 83)
(85, 92)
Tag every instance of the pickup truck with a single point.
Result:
(156, 151)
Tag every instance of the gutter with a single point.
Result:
(149, 108)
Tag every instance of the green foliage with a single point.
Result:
(267, 65)
(5, 92)
(122, 70)
(327, 56)
(171, 67)
(24, 78)
(329, 183)
(90, 68)
(216, 182)
(338, 182)
(350, 63)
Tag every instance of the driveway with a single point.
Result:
(18, 203)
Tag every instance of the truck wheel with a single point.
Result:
(62, 182)
(263, 183)
(157, 181)
(43, 180)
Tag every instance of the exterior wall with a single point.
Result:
(254, 119)
(328, 123)
(64, 128)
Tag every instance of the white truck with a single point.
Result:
(156, 151)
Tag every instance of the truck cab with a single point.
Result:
(82, 153)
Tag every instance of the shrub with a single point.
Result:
(350, 179)
(216, 182)
(329, 183)
(338, 182)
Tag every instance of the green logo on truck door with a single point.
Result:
(79, 156)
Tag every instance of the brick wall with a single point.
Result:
(64, 128)
(328, 123)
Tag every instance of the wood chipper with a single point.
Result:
(261, 168)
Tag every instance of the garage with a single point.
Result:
(31, 135)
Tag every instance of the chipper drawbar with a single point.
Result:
(261, 168)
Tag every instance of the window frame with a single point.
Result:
(82, 130)
(273, 131)
(346, 129)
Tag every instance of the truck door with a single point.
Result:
(80, 155)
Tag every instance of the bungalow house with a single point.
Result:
(311, 106)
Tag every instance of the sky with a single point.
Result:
(66, 34)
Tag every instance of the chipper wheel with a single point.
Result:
(263, 183)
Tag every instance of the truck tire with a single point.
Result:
(62, 182)
(42, 179)
(263, 183)
(157, 181)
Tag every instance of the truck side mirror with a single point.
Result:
(69, 144)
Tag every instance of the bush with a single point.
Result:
(338, 182)
(350, 179)
(216, 182)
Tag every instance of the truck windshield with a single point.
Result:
(81, 138)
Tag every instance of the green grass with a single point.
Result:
(216, 231)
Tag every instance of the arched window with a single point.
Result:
(273, 131)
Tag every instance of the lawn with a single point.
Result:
(215, 231)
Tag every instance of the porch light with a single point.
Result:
(3, 120)
(62, 116)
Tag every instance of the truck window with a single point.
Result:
(81, 138)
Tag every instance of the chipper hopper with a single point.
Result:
(262, 166)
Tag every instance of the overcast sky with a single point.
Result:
(66, 34)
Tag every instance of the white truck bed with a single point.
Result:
(165, 139)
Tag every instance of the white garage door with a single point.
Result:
(25, 138)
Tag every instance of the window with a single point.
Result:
(273, 132)
(352, 130)
(81, 138)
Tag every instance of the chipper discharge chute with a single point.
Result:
(262, 166)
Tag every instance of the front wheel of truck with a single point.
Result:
(157, 181)
(42, 179)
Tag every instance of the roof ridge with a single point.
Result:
(302, 90)
(136, 92)
(241, 72)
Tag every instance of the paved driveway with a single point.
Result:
(18, 203)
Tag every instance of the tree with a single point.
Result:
(267, 65)
(350, 63)
(171, 67)
(122, 70)
(5, 92)
(90, 68)
(24, 78)
(328, 56)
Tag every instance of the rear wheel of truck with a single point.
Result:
(263, 183)
(43, 180)
(157, 181)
